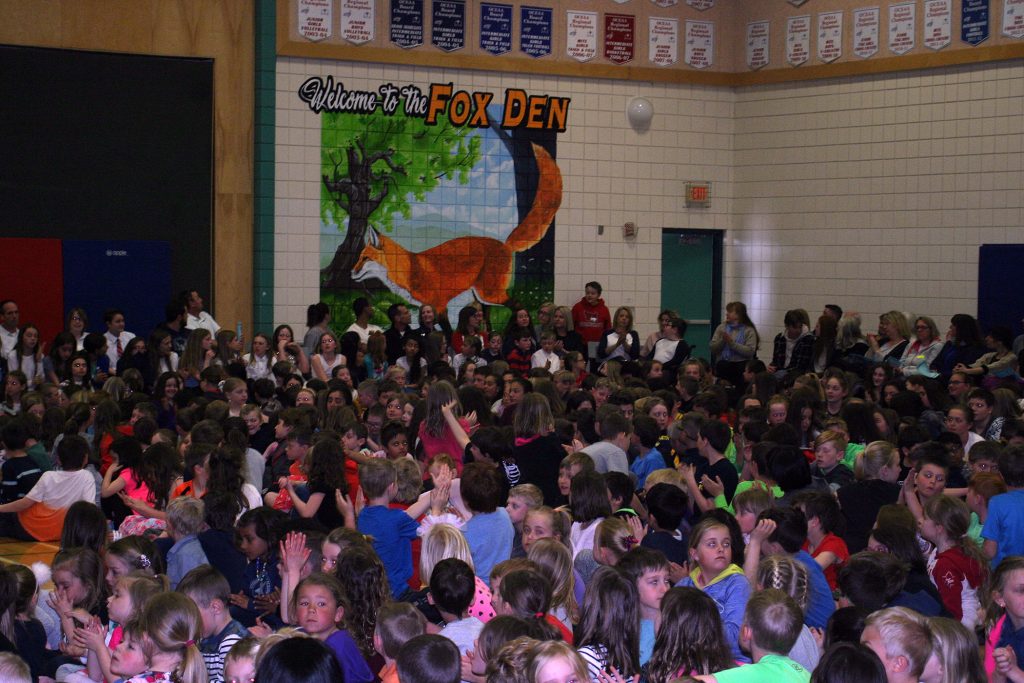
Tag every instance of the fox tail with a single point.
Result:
(545, 203)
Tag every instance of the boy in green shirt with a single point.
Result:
(771, 626)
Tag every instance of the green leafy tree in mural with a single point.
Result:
(373, 165)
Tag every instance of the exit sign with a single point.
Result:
(698, 194)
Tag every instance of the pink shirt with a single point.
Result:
(135, 488)
(481, 607)
(445, 443)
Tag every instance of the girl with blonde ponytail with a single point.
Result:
(171, 628)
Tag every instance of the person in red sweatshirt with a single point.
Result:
(590, 316)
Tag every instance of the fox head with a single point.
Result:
(370, 262)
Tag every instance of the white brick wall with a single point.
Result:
(848, 191)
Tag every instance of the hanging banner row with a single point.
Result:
(448, 29)
(617, 33)
(936, 30)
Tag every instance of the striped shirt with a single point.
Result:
(216, 648)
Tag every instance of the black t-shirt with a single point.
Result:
(722, 469)
(860, 502)
(327, 514)
(539, 461)
(19, 476)
(263, 437)
(30, 638)
(674, 549)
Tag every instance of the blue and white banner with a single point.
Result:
(448, 25)
(535, 30)
(495, 28)
(974, 21)
(407, 23)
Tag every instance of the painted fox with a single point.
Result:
(480, 266)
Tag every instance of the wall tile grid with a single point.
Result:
(874, 192)
(871, 192)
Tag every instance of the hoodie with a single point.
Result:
(591, 321)
(730, 590)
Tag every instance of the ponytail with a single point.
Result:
(192, 667)
(171, 623)
(953, 515)
(78, 414)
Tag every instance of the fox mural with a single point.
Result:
(465, 268)
(444, 215)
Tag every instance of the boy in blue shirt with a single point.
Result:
(783, 531)
(645, 435)
(392, 530)
(1004, 527)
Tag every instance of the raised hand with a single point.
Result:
(294, 552)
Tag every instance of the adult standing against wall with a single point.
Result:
(591, 317)
(395, 335)
(117, 337)
(197, 318)
(362, 326)
(318, 317)
(174, 325)
(9, 325)
(733, 343)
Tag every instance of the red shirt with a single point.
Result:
(591, 321)
(106, 440)
(833, 544)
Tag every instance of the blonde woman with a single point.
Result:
(891, 341)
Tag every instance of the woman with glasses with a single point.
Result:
(77, 323)
(566, 338)
(920, 353)
(959, 385)
(653, 337)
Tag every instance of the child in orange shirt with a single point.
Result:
(397, 622)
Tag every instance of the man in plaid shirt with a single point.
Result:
(794, 347)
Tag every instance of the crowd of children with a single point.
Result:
(557, 503)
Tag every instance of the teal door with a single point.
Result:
(691, 282)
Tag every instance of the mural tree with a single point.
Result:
(373, 164)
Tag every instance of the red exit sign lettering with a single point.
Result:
(698, 194)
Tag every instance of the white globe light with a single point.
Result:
(640, 111)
